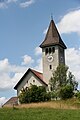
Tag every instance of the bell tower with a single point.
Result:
(53, 51)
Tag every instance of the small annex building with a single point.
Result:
(11, 102)
(53, 54)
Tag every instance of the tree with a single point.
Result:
(71, 81)
(61, 78)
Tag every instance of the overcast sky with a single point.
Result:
(23, 24)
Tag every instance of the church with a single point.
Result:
(53, 54)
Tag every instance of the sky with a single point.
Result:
(23, 26)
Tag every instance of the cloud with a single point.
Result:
(70, 22)
(9, 1)
(9, 74)
(2, 100)
(4, 65)
(3, 5)
(26, 4)
(38, 51)
(45, 31)
(27, 60)
(38, 67)
(72, 57)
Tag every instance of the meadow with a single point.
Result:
(39, 114)
(55, 110)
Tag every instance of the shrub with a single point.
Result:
(34, 94)
(66, 92)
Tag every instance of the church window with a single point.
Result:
(27, 81)
(53, 49)
(49, 50)
(50, 67)
(33, 81)
(61, 59)
(46, 51)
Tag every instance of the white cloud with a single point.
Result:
(70, 22)
(45, 31)
(27, 60)
(9, 74)
(38, 67)
(38, 51)
(3, 5)
(2, 100)
(26, 4)
(9, 1)
(73, 61)
(4, 65)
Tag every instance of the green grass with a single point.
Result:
(38, 114)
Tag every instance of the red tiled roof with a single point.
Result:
(39, 75)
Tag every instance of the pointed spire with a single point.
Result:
(52, 36)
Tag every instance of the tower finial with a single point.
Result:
(51, 16)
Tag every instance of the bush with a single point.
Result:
(77, 95)
(34, 94)
(66, 92)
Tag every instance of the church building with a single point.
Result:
(53, 54)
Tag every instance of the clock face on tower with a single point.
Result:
(50, 58)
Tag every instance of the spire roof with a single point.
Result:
(52, 37)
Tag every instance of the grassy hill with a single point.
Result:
(54, 110)
(39, 114)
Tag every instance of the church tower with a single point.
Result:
(53, 51)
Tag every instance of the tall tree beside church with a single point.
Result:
(61, 78)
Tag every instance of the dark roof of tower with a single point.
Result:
(52, 37)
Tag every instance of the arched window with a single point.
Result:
(53, 49)
(49, 50)
(46, 51)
